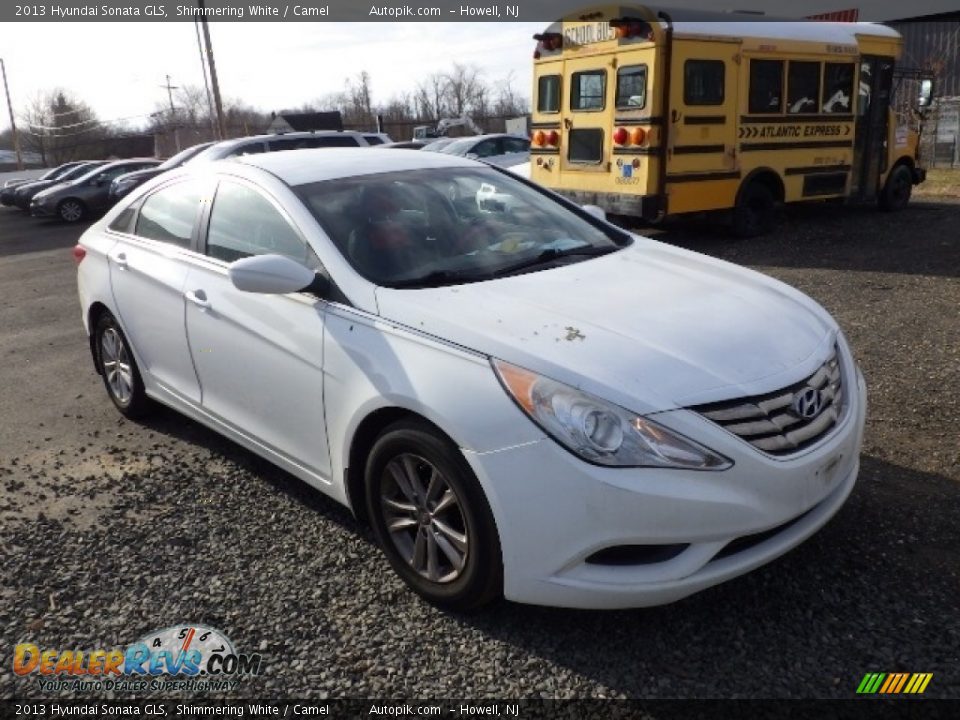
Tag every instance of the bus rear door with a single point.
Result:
(587, 116)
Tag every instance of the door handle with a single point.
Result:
(121, 260)
(198, 298)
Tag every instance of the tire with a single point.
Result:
(71, 210)
(125, 387)
(756, 211)
(897, 189)
(444, 518)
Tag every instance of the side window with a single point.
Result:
(548, 94)
(766, 86)
(373, 139)
(325, 141)
(703, 82)
(803, 86)
(837, 88)
(632, 87)
(485, 148)
(170, 213)
(249, 149)
(285, 144)
(515, 145)
(588, 90)
(244, 223)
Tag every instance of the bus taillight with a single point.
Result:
(539, 138)
(638, 136)
(620, 136)
(553, 138)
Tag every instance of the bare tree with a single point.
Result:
(61, 128)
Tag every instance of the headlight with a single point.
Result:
(599, 431)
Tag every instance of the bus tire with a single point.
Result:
(897, 189)
(756, 211)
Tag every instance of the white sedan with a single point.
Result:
(520, 398)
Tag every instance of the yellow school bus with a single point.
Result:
(647, 114)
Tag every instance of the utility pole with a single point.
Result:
(173, 117)
(13, 123)
(221, 131)
(206, 82)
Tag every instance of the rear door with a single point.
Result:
(148, 269)
(586, 112)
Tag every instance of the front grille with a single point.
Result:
(772, 422)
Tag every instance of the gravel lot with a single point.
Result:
(110, 529)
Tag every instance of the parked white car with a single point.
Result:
(519, 397)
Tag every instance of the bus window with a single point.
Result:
(837, 87)
(703, 82)
(548, 94)
(632, 87)
(588, 90)
(766, 86)
(866, 87)
(803, 86)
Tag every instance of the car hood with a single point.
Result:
(48, 191)
(651, 327)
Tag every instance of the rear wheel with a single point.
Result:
(756, 211)
(431, 518)
(897, 190)
(120, 374)
(71, 210)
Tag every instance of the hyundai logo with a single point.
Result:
(807, 403)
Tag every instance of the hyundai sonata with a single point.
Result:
(520, 398)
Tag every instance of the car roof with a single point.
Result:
(274, 136)
(298, 167)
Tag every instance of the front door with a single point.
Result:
(259, 357)
(870, 147)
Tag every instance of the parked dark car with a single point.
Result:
(74, 200)
(6, 194)
(123, 184)
(23, 194)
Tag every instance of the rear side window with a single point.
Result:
(244, 223)
(703, 82)
(250, 149)
(373, 139)
(325, 141)
(123, 221)
(766, 86)
(587, 90)
(803, 86)
(632, 87)
(169, 214)
(548, 94)
(837, 88)
(515, 145)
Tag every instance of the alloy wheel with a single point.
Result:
(71, 210)
(115, 359)
(424, 517)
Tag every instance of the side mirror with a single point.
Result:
(598, 212)
(271, 275)
(926, 93)
(473, 156)
(96, 182)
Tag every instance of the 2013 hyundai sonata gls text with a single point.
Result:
(519, 397)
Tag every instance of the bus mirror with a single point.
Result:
(926, 93)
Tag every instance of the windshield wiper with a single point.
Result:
(551, 254)
(435, 278)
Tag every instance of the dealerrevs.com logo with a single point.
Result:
(182, 657)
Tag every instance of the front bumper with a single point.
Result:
(554, 511)
(42, 209)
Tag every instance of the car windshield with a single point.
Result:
(57, 172)
(181, 157)
(444, 226)
(459, 147)
(437, 145)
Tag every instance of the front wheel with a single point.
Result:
(431, 517)
(897, 190)
(71, 210)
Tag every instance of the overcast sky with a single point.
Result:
(118, 68)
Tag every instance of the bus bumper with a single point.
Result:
(648, 207)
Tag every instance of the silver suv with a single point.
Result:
(282, 141)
